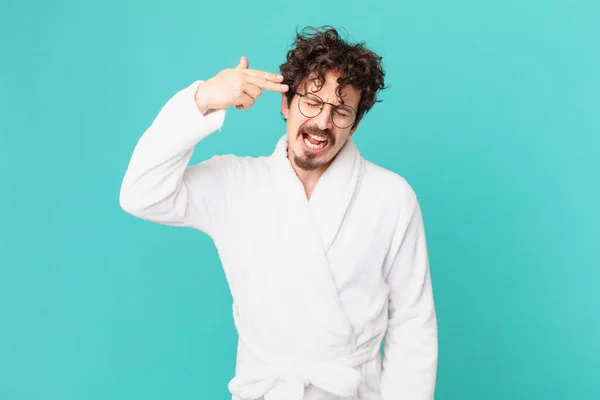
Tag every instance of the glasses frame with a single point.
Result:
(333, 108)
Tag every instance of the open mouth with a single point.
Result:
(314, 143)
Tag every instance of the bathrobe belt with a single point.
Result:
(287, 382)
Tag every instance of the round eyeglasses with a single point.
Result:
(311, 105)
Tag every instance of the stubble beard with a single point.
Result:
(306, 162)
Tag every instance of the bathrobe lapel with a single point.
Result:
(334, 192)
(293, 325)
(307, 231)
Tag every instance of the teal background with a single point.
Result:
(493, 115)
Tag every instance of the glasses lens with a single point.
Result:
(310, 105)
(343, 116)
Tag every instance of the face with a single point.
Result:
(314, 142)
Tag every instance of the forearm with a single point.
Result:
(410, 356)
(411, 341)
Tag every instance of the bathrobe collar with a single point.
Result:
(333, 193)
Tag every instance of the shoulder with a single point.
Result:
(389, 185)
(234, 163)
(231, 168)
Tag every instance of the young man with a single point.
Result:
(324, 252)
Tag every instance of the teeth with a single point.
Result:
(320, 138)
(314, 146)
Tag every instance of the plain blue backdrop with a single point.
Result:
(493, 116)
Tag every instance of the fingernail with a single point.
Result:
(284, 87)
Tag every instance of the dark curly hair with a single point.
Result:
(321, 50)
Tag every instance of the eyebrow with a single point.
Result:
(341, 103)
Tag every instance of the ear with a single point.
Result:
(285, 110)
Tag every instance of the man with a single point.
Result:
(324, 252)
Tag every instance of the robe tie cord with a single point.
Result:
(289, 383)
(338, 377)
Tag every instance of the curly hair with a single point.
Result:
(322, 50)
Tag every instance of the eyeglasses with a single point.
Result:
(311, 105)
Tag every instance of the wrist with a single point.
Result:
(200, 104)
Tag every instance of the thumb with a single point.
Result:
(243, 63)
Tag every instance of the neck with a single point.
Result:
(309, 179)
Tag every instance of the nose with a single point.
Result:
(324, 119)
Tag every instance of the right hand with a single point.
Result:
(237, 86)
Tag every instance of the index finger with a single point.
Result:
(263, 74)
(266, 84)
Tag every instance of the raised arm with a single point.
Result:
(159, 185)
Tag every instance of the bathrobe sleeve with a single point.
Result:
(160, 186)
(411, 342)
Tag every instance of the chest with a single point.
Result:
(264, 230)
